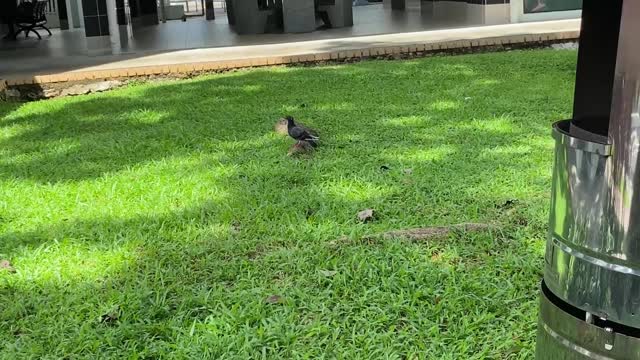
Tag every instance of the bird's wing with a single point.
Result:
(311, 131)
(310, 136)
(300, 133)
(297, 133)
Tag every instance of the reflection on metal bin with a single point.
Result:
(568, 333)
(587, 264)
(590, 298)
(591, 288)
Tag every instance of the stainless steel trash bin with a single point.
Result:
(590, 296)
(589, 307)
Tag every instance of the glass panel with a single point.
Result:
(539, 6)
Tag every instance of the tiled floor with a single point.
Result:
(198, 33)
(67, 49)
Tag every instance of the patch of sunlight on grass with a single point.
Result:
(354, 190)
(61, 147)
(171, 184)
(341, 106)
(65, 261)
(456, 69)
(444, 105)
(411, 62)
(445, 257)
(289, 109)
(541, 142)
(499, 125)
(423, 154)
(342, 70)
(255, 143)
(14, 130)
(252, 88)
(487, 82)
(29, 110)
(407, 121)
(144, 116)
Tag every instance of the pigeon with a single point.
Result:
(300, 133)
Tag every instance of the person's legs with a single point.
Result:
(324, 16)
(10, 9)
(11, 35)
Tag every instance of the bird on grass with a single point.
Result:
(301, 133)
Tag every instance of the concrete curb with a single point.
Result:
(3, 88)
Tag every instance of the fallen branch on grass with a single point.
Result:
(427, 233)
(422, 234)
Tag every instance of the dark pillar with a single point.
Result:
(149, 12)
(8, 11)
(231, 16)
(144, 12)
(398, 4)
(62, 15)
(596, 65)
(210, 13)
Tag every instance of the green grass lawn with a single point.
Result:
(155, 220)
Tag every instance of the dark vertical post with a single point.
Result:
(596, 65)
(62, 15)
(210, 13)
(149, 12)
(398, 4)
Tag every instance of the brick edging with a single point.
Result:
(222, 65)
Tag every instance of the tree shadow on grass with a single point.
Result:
(84, 138)
(190, 276)
(189, 285)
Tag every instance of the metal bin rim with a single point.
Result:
(561, 134)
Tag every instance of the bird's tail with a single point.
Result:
(313, 140)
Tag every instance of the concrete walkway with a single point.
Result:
(77, 68)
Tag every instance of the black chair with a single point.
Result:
(31, 15)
